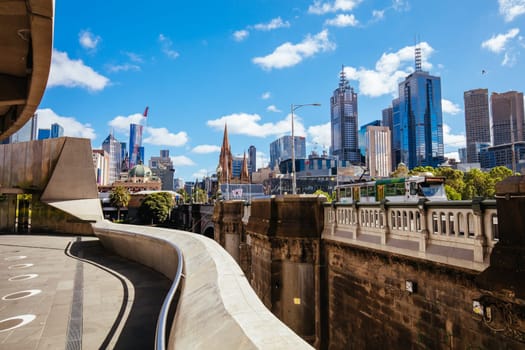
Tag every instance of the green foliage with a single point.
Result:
(401, 171)
(185, 196)
(329, 198)
(156, 207)
(119, 198)
(452, 194)
(200, 196)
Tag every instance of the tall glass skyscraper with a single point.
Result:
(252, 159)
(112, 148)
(477, 122)
(135, 143)
(421, 119)
(344, 122)
(281, 149)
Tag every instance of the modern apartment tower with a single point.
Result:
(421, 119)
(112, 148)
(344, 122)
(281, 149)
(477, 122)
(163, 167)
(378, 151)
(252, 160)
(507, 117)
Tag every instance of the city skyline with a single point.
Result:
(198, 67)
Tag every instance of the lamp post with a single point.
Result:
(292, 109)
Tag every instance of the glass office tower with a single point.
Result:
(135, 143)
(344, 122)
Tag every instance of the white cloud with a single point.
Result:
(205, 149)
(320, 8)
(74, 73)
(272, 108)
(389, 70)
(511, 9)
(321, 134)
(342, 20)
(72, 127)
(121, 123)
(266, 95)
(201, 173)
(451, 140)
(509, 59)
(273, 24)
(378, 14)
(88, 40)
(114, 68)
(452, 155)
(166, 45)
(179, 161)
(134, 57)
(288, 54)
(163, 137)
(240, 35)
(249, 124)
(450, 107)
(497, 43)
(400, 5)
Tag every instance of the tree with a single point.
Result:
(119, 198)
(200, 196)
(329, 198)
(401, 171)
(156, 207)
(185, 196)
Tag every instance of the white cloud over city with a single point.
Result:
(342, 20)
(166, 47)
(273, 108)
(68, 72)
(498, 42)
(322, 7)
(510, 9)
(250, 125)
(450, 107)
(288, 54)
(275, 23)
(180, 161)
(88, 40)
(452, 141)
(320, 135)
(389, 70)
(240, 35)
(72, 127)
(205, 149)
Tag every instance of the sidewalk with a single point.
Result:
(66, 292)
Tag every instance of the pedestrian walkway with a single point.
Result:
(67, 292)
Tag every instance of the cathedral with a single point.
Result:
(225, 173)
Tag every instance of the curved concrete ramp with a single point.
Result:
(217, 308)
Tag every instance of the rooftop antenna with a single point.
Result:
(417, 52)
(343, 83)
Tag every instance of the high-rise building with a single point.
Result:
(421, 119)
(507, 107)
(135, 142)
(477, 122)
(252, 160)
(362, 139)
(388, 114)
(344, 122)
(56, 131)
(44, 134)
(378, 148)
(281, 149)
(101, 164)
(112, 147)
(163, 167)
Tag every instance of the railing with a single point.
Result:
(460, 233)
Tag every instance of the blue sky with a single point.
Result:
(201, 64)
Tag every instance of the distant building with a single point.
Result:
(56, 131)
(112, 147)
(281, 149)
(252, 160)
(344, 122)
(178, 184)
(163, 167)
(139, 178)
(501, 155)
(135, 143)
(507, 107)
(396, 133)
(27, 133)
(477, 122)
(362, 139)
(388, 114)
(44, 134)
(101, 161)
(462, 152)
(378, 148)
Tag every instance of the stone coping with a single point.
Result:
(217, 306)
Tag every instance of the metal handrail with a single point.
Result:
(160, 333)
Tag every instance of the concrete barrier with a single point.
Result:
(217, 307)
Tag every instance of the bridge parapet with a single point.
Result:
(458, 233)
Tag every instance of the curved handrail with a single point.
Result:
(160, 333)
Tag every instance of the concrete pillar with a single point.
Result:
(423, 238)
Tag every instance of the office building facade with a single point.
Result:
(344, 122)
(281, 149)
(252, 160)
(112, 147)
(135, 143)
(477, 122)
(507, 117)
(378, 151)
(162, 167)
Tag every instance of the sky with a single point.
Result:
(199, 65)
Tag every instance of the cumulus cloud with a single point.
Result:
(250, 125)
(201, 173)
(321, 134)
(452, 140)
(72, 127)
(511, 9)
(166, 46)
(498, 42)
(74, 73)
(121, 123)
(88, 40)
(288, 54)
(378, 14)
(452, 155)
(266, 95)
(163, 137)
(389, 70)
(240, 35)
(273, 108)
(205, 149)
(275, 23)
(450, 107)
(320, 8)
(342, 20)
(180, 161)
(115, 68)
(134, 57)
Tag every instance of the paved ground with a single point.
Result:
(59, 292)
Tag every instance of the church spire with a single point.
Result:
(225, 158)
(245, 175)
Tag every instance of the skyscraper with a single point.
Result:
(421, 119)
(112, 148)
(252, 160)
(135, 142)
(507, 106)
(344, 122)
(163, 167)
(378, 148)
(477, 122)
(362, 139)
(56, 131)
(281, 149)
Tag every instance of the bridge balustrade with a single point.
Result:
(461, 233)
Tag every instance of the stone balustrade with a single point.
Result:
(459, 233)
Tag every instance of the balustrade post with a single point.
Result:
(480, 241)
(385, 230)
(358, 222)
(424, 235)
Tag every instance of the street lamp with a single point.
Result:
(292, 109)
